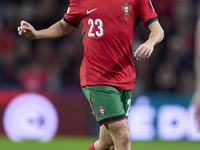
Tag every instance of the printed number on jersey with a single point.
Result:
(129, 106)
(99, 24)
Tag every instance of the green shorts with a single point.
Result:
(108, 103)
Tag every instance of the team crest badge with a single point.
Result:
(126, 8)
(102, 111)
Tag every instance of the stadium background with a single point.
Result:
(51, 68)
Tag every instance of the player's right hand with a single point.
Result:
(27, 30)
(144, 51)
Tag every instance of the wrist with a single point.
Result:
(37, 35)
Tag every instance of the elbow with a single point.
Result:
(67, 32)
(66, 28)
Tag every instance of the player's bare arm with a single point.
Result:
(56, 30)
(145, 50)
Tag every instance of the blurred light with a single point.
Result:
(30, 116)
(162, 120)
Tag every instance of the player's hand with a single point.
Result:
(144, 51)
(27, 30)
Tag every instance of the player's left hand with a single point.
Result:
(144, 51)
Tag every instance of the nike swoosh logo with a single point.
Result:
(91, 10)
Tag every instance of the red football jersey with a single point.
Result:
(109, 27)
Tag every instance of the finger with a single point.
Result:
(137, 52)
(29, 35)
(138, 55)
(26, 35)
(148, 54)
(24, 23)
(20, 31)
(141, 55)
(28, 28)
(145, 55)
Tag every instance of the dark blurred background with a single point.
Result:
(54, 64)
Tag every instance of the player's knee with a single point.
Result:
(104, 145)
(124, 137)
(109, 146)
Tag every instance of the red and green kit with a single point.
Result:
(108, 31)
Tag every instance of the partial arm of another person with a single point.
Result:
(196, 98)
(58, 29)
(197, 53)
(145, 50)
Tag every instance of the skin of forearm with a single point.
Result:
(56, 30)
(156, 34)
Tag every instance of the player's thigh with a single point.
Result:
(118, 130)
(104, 137)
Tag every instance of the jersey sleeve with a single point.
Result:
(72, 16)
(146, 12)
